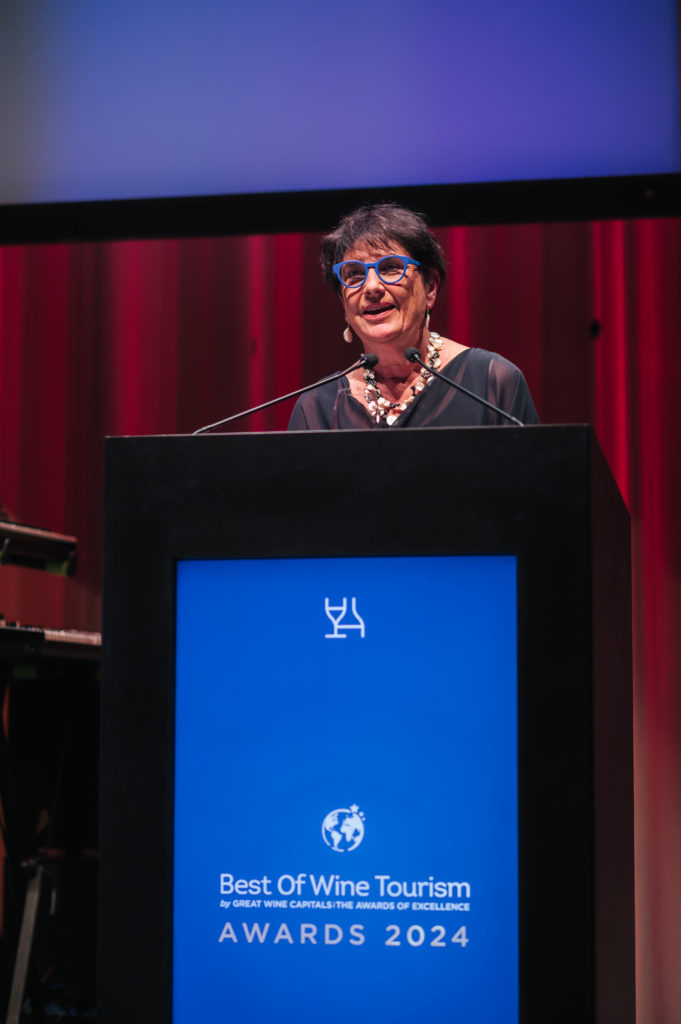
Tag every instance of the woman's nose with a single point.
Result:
(373, 281)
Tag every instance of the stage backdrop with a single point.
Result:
(156, 337)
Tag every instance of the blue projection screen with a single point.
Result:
(346, 791)
(130, 100)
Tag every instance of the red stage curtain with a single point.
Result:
(164, 336)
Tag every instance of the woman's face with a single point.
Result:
(382, 314)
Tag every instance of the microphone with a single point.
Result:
(365, 360)
(414, 356)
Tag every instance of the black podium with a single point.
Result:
(541, 496)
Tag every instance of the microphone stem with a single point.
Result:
(282, 398)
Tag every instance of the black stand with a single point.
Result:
(49, 683)
(25, 945)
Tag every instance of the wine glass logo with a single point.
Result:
(340, 624)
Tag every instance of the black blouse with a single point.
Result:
(333, 407)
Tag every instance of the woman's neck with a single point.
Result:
(393, 365)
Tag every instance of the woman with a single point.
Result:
(387, 268)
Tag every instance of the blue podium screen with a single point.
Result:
(345, 842)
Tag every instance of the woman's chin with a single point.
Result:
(380, 334)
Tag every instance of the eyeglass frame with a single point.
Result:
(406, 262)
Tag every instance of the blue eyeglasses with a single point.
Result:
(390, 269)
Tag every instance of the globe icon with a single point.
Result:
(343, 829)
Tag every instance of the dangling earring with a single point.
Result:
(428, 318)
(347, 335)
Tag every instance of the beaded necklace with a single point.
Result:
(382, 409)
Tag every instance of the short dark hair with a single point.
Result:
(380, 225)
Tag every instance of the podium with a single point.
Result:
(367, 729)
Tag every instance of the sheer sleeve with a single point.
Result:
(507, 388)
(298, 420)
(482, 373)
(318, 409)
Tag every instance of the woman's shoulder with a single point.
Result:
(314, 410)
(495, 377)
(482, 358)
